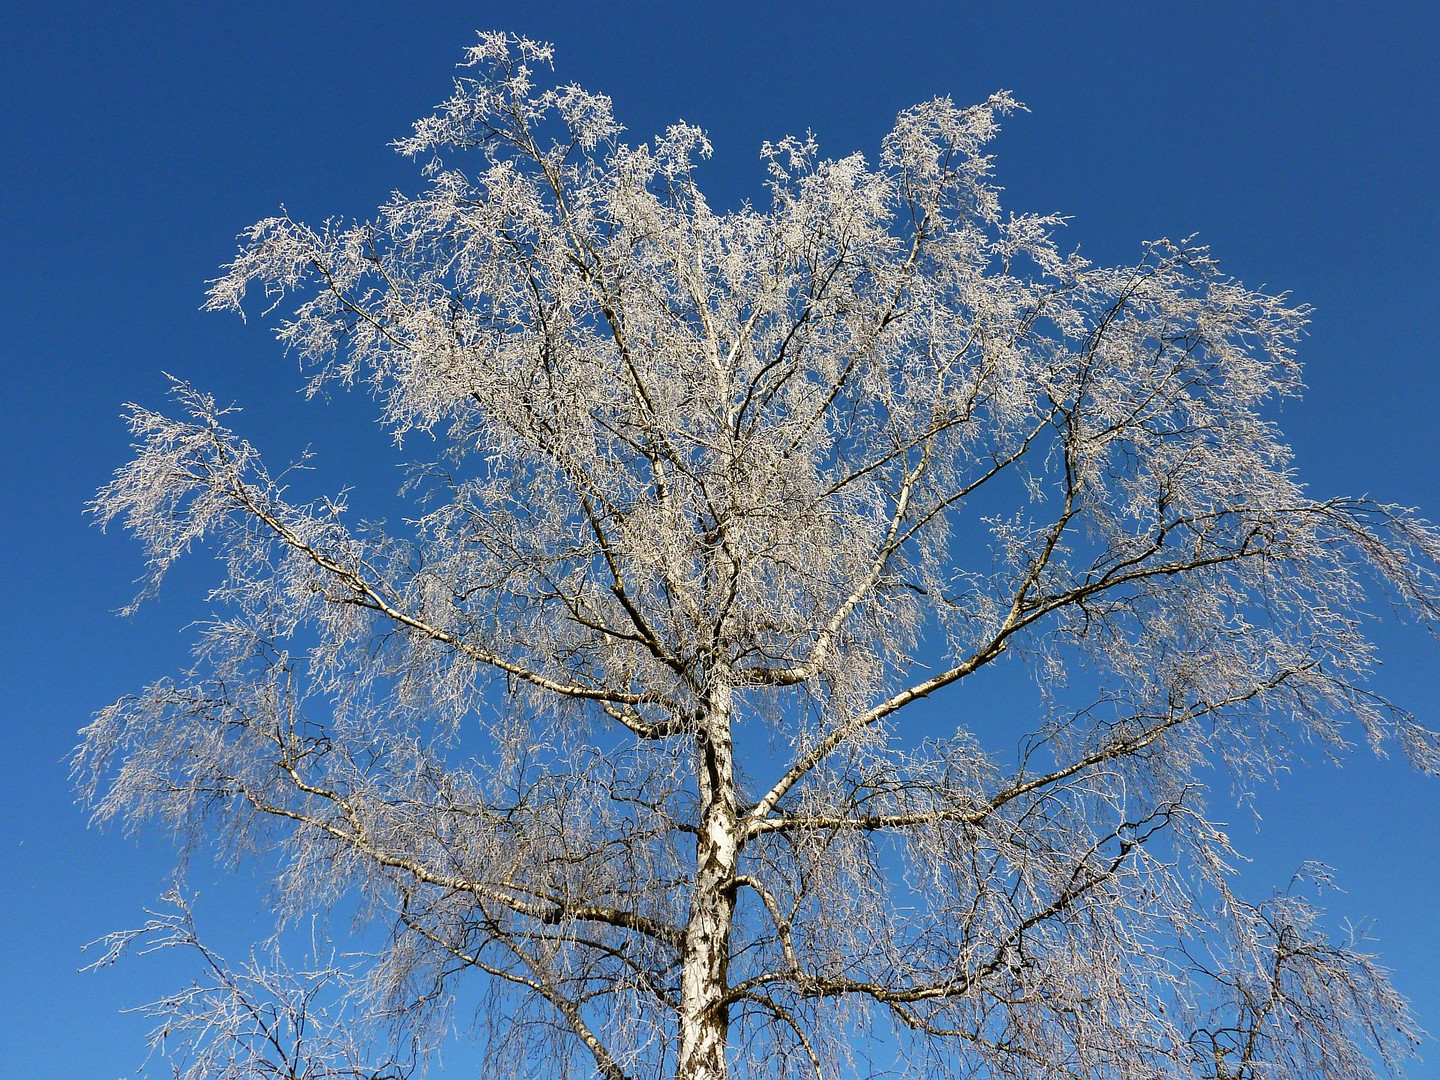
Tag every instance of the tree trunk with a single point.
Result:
(704, 1020)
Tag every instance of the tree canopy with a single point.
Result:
(623, 722)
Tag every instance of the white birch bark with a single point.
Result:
(704, 1012)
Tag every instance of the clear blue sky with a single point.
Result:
(1299, 140)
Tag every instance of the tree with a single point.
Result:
(627, 722)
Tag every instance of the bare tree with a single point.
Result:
(624, 722)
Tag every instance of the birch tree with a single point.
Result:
(656, 724)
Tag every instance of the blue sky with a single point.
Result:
(1299, 140)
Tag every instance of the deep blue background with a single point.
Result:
(1299, 140)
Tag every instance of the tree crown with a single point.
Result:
(804, 464)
